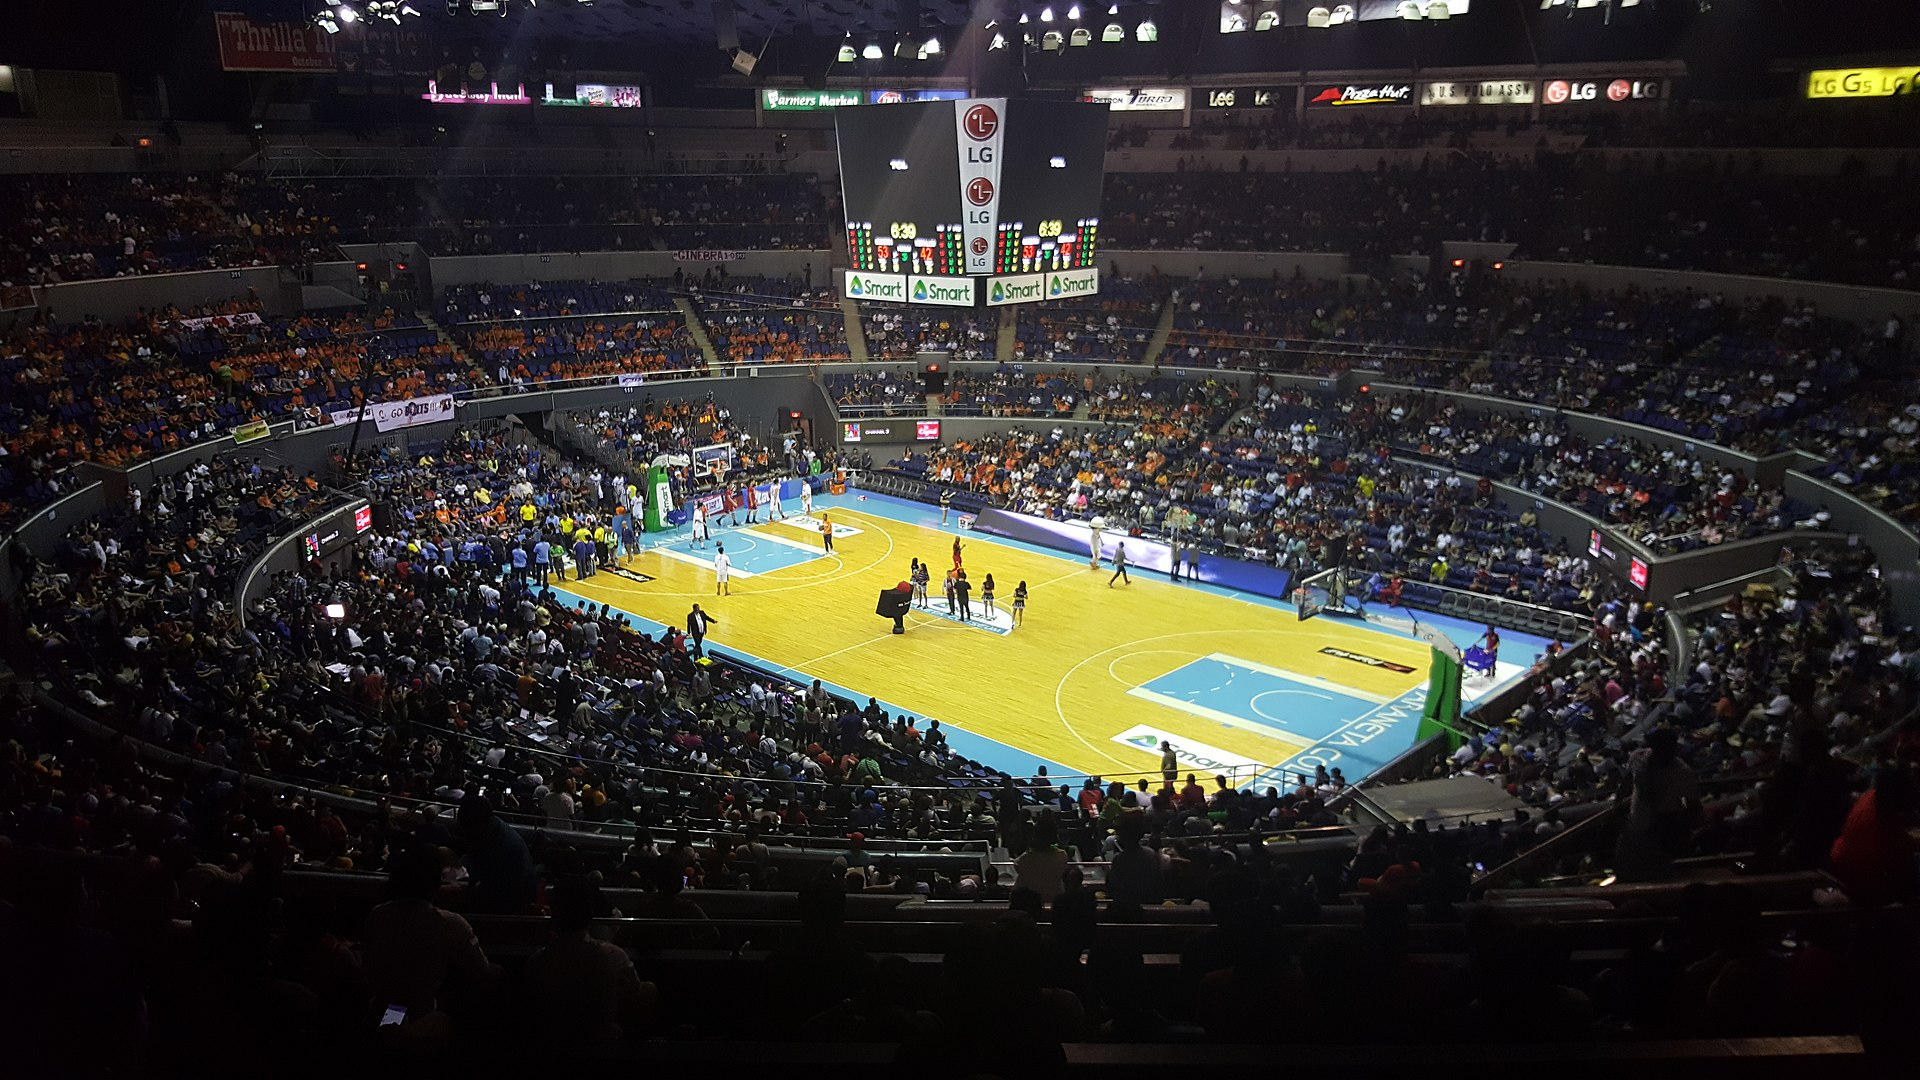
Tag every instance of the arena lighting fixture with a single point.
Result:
(336, 611)
(324, 21)
(1080, 36)
(1545, 4)
(1056, 162)
(1074, 13)
(931, 48)
(871, 52)
(1438, 10)
(897, 164)
(1318, 18)
(1046, 14)
(1114, 9)
(848, 54)
(998, 42)
(1587, 3)
(1342, 15)
(347, 14)
(1146, 31)
(1410, 10)
(1498, 265)
(1023, 18)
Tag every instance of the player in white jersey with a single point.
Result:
(699, 523)
(722, 568)
(806, 499)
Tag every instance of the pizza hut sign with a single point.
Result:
(1381, 94)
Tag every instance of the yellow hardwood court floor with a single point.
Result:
(1067, 683)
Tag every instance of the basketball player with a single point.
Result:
(806, 498)
(774, 513)
(722, 569)
(699, 523)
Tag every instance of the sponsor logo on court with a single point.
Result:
(631, 575)
(1363, 658)
(1196, 756)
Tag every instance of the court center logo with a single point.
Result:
(1198, 757)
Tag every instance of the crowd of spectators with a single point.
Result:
(765, 320)
(1658, 213)
(899, 332)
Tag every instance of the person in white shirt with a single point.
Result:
(699, 524)
(806, 498)
(773, 496)
(722, 567)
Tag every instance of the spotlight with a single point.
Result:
(336, 611)
(871, 52)
(1114, 32)
(1074, 13)
(931, 48)
(1023, 18)
(347, 14)
(1318, 18)
(1146, 31)
(1114, 10)
(324, 21)
(1046, 14)
(1438, 9)
(1410, 10)
(998, 42)
(847, 53)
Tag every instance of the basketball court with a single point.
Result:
(1094, 678)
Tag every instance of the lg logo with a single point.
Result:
(979, 191)
(979, 245)
(981, 122)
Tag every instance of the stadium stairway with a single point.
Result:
(440, 332)
(1162, 330)
(698, 331)
(856, 333)
(1007, 341)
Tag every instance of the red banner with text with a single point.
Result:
(246, 45)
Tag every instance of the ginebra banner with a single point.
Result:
(1600, 91)
(1374, 94)
(708, 255)
(393, 415)
(246, 45)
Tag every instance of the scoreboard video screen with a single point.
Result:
(978, 186)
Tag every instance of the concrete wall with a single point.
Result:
(1896, 546)
(613, 266)
(1858, 303)
(119, 298)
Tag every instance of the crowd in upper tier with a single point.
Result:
(1681, 214)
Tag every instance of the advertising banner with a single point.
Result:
(1486, 92)
(926, 430)
(1016, 289)
(783, 100)
(896, 97)
(861, 285)
(1247, 97)
(1862, 82)
(1371, 94)
(246, 45)
(240, 318)
(598, 95)
(1140, 99)
(631, 378)
(411, 412)
(1067, 284)
(1600, 91)
(854, 431)
(494, 94)
(981, 133)
(944, 291)
(251, 431)
(378, 50)
(708, 255)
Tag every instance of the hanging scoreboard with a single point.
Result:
(989, 188)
